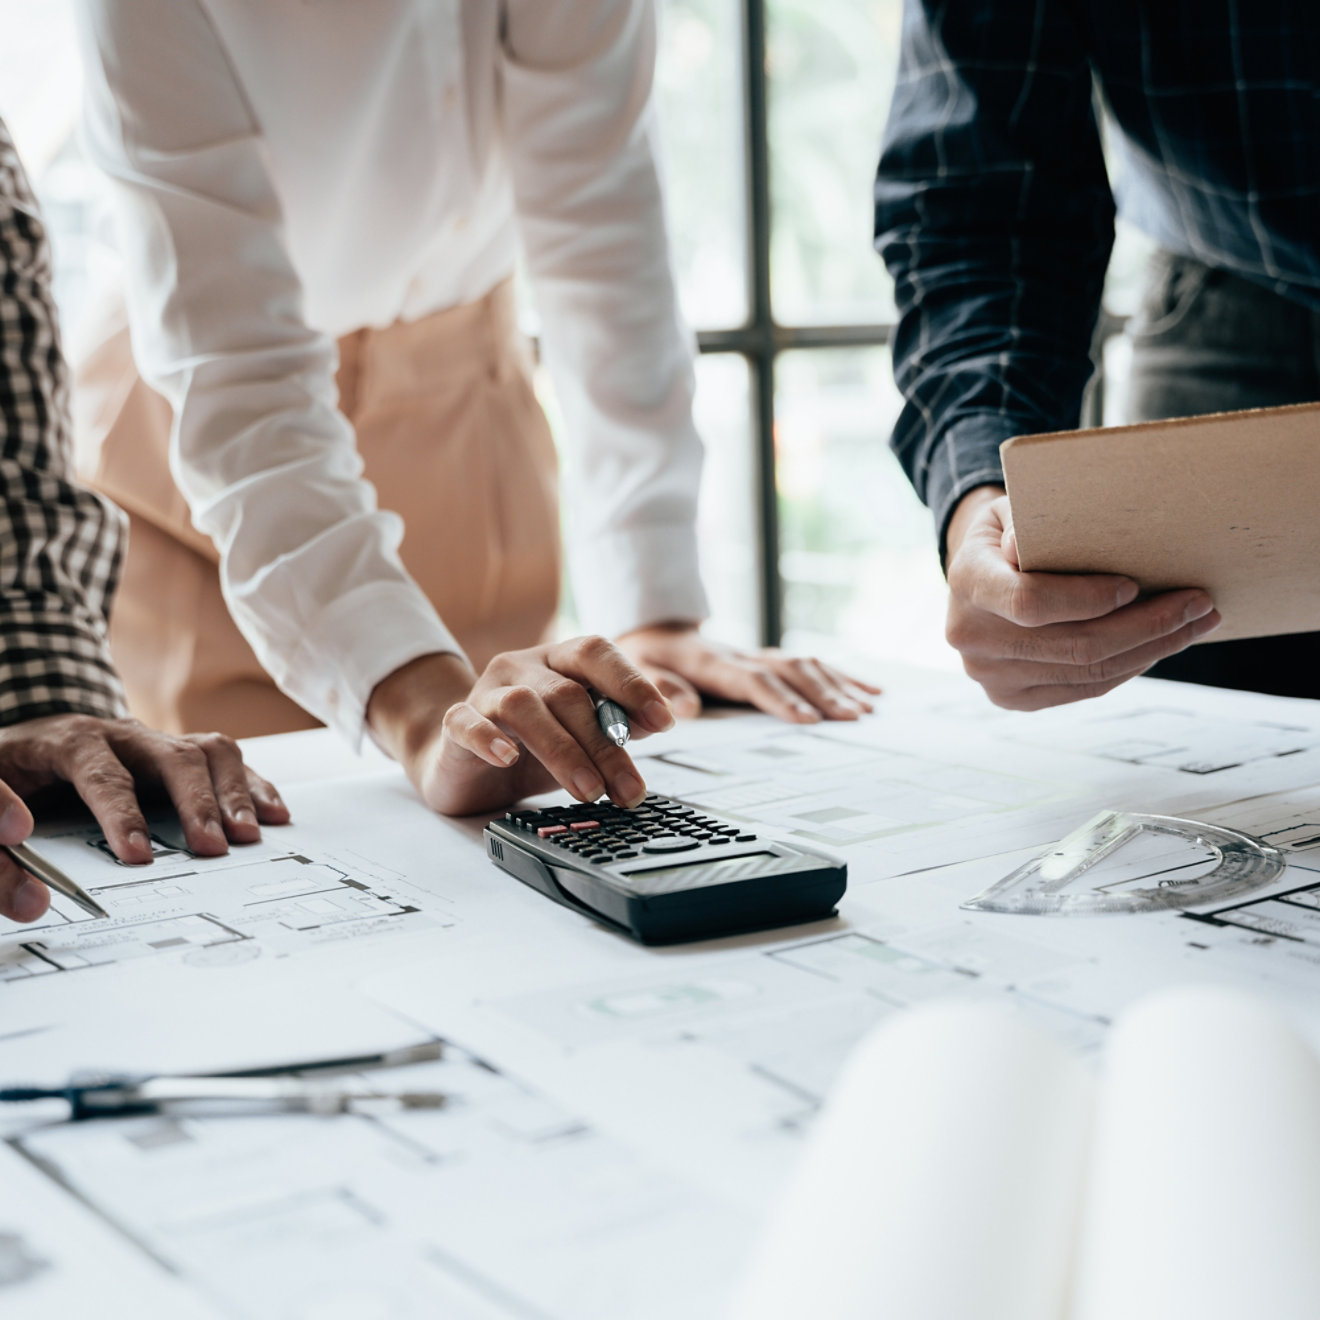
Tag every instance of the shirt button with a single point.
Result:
(332, 699)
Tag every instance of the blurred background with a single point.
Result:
(772, 114)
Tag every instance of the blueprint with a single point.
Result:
(615, 1106)
(499, 1204)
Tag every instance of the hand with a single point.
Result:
(21, 897)
(527, 724)
(1043, 639)
(683, 664)
(110, 763)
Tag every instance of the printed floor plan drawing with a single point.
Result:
(209, 913)
(388, 1214)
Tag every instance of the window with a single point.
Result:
(772, 112)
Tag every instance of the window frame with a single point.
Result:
(762, 337)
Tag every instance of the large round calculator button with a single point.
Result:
(667, 843)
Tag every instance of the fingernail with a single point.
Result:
(215, 830)
(1197, 608)
(245, 816)
(29, 900)
(1127, 593)
(807, 712)
(628, 789)
(587, 786)
(139, 841)
(1208, 623)
(658, 716)
(504, 751)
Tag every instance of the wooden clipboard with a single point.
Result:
(1229, 502)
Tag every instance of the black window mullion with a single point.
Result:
(758, 345)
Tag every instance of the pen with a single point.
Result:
(613, 721)
(34, 864)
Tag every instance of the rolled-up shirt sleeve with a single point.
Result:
(60, 544)
(581, 132)
(995, 217)
(269, 465)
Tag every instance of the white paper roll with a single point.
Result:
(1203, 1197)
(941, 1181)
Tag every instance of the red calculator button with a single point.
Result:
(585, 825)
(547, 830)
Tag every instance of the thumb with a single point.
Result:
(1008, 544)
(680, 694)
(15, 818)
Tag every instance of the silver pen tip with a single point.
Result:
(619, 732)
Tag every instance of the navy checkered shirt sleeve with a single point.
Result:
(60, 544)
(995, 217)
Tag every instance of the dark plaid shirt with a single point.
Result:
(60, 545)
(995, 215)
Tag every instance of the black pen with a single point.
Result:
(51, 876)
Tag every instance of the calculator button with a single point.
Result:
(546, 831)
(620, 856)
(745, 838)
(667, 843)
(584, 825)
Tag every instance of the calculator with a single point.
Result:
(663, 871)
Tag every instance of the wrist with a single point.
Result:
(965, 513)
(406, 709)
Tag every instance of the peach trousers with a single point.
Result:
(453, 439)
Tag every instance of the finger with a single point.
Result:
(810, 682)
(521, 712)
(468, 728)
(229, 782)
(982, 577)
(271, 808)
(1147, 623)
(765, 690)
(683, 698)
(569, 703)
(851, 681)
(185, 771)
(22, 898)
(1008, 544)
(105, 784)
(1062, 694)
(1119, 668)
(15, 818)
(599, 664)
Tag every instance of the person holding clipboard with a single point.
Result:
(995, 214)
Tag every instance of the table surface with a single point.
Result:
(614, 1106)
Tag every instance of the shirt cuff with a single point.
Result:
(630, 579)
(363, 637)
(967, 456)
(54, 664)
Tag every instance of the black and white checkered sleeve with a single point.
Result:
(60, 544)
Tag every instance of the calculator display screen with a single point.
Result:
(699, 874)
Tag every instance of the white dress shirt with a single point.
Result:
(287, 171)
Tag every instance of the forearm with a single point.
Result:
(593, 224)
(994, 215)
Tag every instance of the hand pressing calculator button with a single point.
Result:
(614, 865)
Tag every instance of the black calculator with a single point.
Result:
(663, 871)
